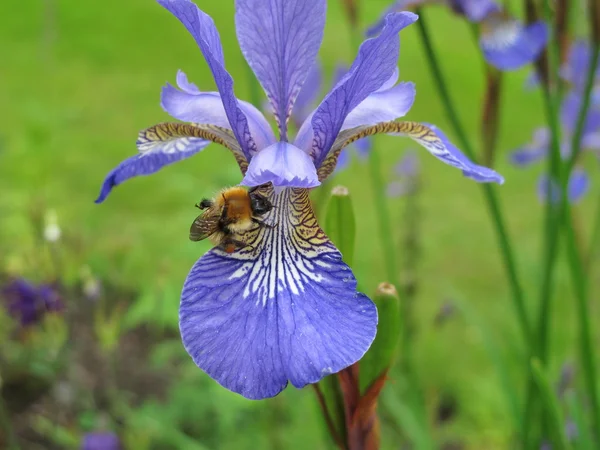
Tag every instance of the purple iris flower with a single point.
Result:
(539, 148)
(506, 42)
(100, 440)
(29, 303)
(575, 68)
(285, 307)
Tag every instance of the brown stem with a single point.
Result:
(562, 27)
(491, 115)
(328, 420)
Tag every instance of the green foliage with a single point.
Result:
(380, 357)
(340, 223)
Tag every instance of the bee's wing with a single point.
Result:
(205, 225)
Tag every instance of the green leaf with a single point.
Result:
(381, 355)
(550, 403)
(340, 224)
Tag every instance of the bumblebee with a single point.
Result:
(232, 212)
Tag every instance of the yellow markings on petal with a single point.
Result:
(171, 137)
(420, 133)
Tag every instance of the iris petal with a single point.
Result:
(579, 185)
(508, 45)
(382, 106)
(375, 64)
(475, 10)
(280, 40)
(156, 154)
(284, 165)
(308, 95)
(192, 105)
(429, 136)
(283, 308)
(204, 32)
(166, 143)
(533, 152)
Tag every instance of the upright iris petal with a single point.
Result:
(280, 40)
(374, 65)
(202, 28)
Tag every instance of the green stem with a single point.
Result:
(586, 347)
(489, 193)
(594, 241)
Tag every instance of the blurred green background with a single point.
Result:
(78, 80)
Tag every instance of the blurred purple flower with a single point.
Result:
(406, 173)
(100, 440)
(29, 303)
(506, 42)
(538, 149)
(575, 68)
(285, 307)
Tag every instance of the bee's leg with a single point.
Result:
(205, 203)
(261, 224)
(230, 244)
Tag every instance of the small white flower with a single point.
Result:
(52, 231)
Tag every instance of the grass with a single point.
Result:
(79, 80)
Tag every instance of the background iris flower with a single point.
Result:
(30, 303)
(506, 42)
(285, 308)
(539, 147)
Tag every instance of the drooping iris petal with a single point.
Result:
(569, 114)
(579, 185)
(284, 165)
(475, 10)
(576, 67)
(591, 141)
(469, 169)
(508, 45)
(192, 105)
(166, 143)
(308, 95)
(280, 40)
(203, 29)
(429, 136)
(375, 64)
(382, 106)
(283, 308)
(533, 152)
(546, 186)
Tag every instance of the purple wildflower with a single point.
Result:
(29, 303)
(506, 42)
(539, 148)
(284, 308)
(100, 440)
